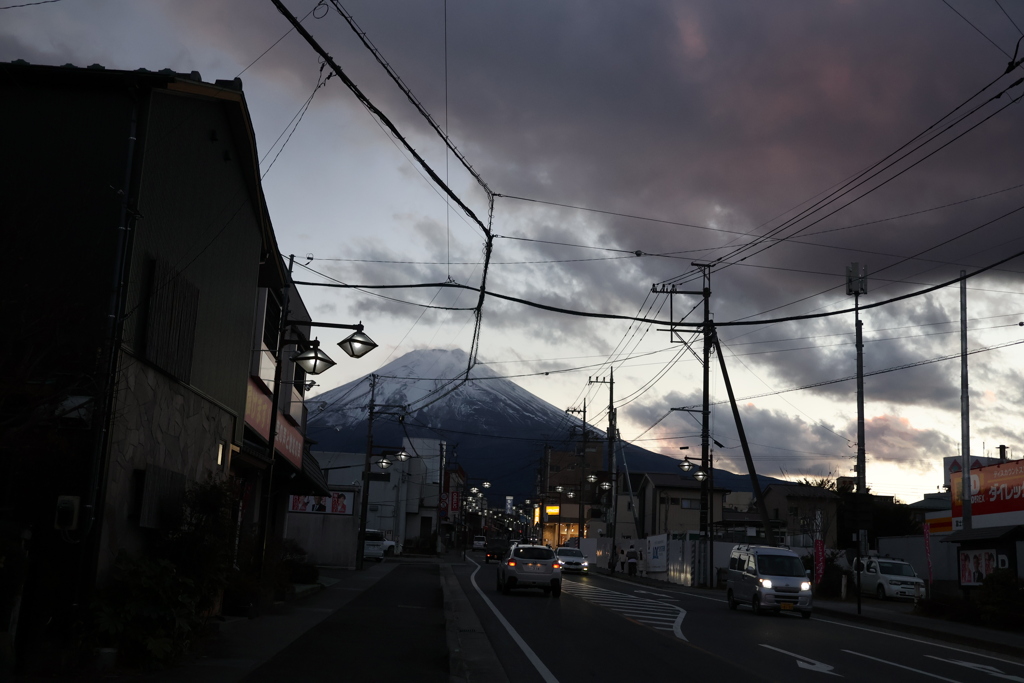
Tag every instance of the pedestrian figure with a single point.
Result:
(622, 560)
(631, 558)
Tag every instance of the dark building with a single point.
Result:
(145, 292)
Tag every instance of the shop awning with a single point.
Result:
(992, 533)
(311, 480)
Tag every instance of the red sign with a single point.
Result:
(819, 560)
(996, 489)
(455, 500)
(289, 441)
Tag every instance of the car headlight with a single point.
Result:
(766, 583)
(805, 586)
(585, 563)
(894, 582)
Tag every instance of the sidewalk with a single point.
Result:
(243, 645)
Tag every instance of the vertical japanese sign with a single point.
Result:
(819, 560)
(455, 501)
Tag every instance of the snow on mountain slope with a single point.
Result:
(497, 428)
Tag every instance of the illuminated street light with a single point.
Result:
(686, 465)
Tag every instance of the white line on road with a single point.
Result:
(944, 646)
(900, 666)
(990, 670)
(807, 662)
(544, 672)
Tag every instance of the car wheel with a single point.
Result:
(805, 615)
(487, 560)
(731, 599)
(556, 591)
(505, 590)
(497, 582)
(390, 552)
(880, 592)
(756, 605)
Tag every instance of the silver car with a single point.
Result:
(530, 566)
(769, 580)
(573, 560)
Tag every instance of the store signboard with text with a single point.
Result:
(997, 495)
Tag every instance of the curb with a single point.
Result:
(471, 656)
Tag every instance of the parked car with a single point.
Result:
(890, 578)
(573, 560)
(768, 579)
(496, 550)
(376, 547)
(530, 566)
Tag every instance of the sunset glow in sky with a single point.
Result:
(625, 141)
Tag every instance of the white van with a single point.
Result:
(768, 579)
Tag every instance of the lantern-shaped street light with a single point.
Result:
(357, 344)
(686, 465)
(700, 475)
(591, 478)
(313, 361)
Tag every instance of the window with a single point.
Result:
(690, 504)
(673, 501)
(794, 511)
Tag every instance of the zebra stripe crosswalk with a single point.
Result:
(657, 615)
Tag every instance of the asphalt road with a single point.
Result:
(606, 629)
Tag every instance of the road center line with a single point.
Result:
(544, 672)
(900, 666)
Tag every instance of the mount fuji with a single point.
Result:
(496, 430)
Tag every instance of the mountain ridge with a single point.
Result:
(495, 429)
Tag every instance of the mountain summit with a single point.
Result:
(494, 429)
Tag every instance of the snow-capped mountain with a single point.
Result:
(496, 429)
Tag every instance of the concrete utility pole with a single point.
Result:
(965, 408)
(707, 486)
(583, 462)
(857, 284)
(610, 460)
(364, 501)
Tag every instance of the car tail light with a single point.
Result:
(556, 565)
(511, 563)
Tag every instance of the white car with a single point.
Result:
(768, 580)
(479, 543)
(573, 560)
(376, 547)
(889, 578)
(531, 566)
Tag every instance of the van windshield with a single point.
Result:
(780, 565)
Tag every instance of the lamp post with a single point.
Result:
(313, 361)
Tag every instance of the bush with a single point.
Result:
(155, 606)
(149, 610)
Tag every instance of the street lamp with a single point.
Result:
(357, 344)
(686, 465)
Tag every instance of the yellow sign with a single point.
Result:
(551, 510)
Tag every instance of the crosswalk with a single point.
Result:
(654, 613)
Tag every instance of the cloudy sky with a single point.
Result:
(622, 142)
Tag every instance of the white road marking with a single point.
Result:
(944, 646)
(900, 666)
(650, 612)
(807, 662)
(990, 670)
(544, 672)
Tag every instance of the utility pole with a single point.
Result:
(857, 284)
(707, 486)
(707, 496)
(965, 409)
(610, 461)
(583, 462)
(364, 501)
